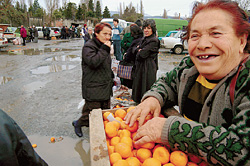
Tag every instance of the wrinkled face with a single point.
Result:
(213, 45)
(148, 31)
(104, 35)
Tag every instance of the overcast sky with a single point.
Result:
(152, 7)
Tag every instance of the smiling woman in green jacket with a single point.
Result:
(211, 88)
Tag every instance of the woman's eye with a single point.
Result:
(216, 34)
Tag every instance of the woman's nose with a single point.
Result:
(204, 42)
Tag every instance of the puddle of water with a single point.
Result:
(64, 151)
(33, 51)
(65, 58)
(32, 87)
(51, 68)
(5, 79)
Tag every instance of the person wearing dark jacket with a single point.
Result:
(146, 62)
(97, 75)
(89, 35)
(129, 56)
(35, 32)
(16, 149)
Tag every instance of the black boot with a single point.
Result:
(78, 128)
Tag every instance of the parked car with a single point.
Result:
(174, 43)
(122, 23)
(54, 33)
(3, 42)
(169, 34)
(9, 33)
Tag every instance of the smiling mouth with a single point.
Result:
(207, 56)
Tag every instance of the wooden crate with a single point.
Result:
(98, 146)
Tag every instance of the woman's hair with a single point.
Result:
(99, 27)
(239, 17)
(136, 31)
(151, 23)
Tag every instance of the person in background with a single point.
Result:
(23, 33)
(44, 32)
(130, 56)
(73, 29)
(85, 30)
(16, 149)
(127, 38)
(63, 33)
(67, 32)
(31, 34)
(146, 62)
(47, 33)
(97, 75)
(89, 35)
(211, 88)
(78, 31)
(35, 34)
(116, 39)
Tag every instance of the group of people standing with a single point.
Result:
(210, 86)
(97, 75)
(33, 34)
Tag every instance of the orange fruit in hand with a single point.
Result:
(106, 114)
(121, 163)
(151, 162)
(111, 130)
(123, 125)
(123, 149)
(133, 128)
(120, 113)
(115, 140)
(142, 154)
(178, 158)
(133, 161)
(161, 154)
(119, 119)
(149, 145)
(114, 157)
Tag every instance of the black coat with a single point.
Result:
(146, 65)
(130, 54)
(87, 37)
(97, 75)
(16, 149)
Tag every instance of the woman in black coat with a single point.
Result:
(129, 56)
(146, 62)
(97, 75)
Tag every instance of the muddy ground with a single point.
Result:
(40, 88)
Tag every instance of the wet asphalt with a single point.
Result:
(40, 88)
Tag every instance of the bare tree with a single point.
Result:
(142, 12)
(52, 5)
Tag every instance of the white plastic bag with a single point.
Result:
(81, 104)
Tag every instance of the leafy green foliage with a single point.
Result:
(106, 13)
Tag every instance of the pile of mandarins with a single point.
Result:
(123, 153)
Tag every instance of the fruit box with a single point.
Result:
(98, 146)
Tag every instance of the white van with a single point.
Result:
(122, 23)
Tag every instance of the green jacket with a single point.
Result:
(15, 148)
(222, 135)
(126, 42)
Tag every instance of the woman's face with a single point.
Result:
(104, 35)
(213, 45)
(148, 31)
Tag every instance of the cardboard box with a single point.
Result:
(98, 146)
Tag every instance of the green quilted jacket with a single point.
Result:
(222, 135)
